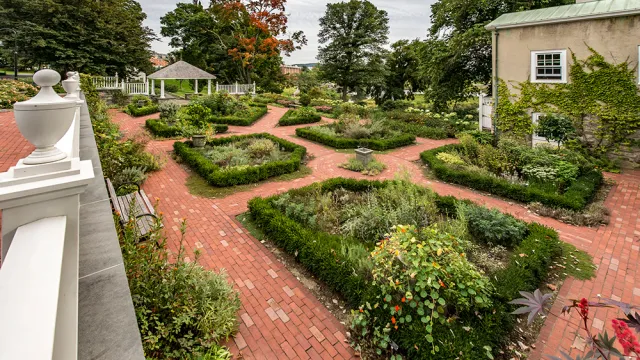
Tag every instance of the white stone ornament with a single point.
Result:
(44, 119)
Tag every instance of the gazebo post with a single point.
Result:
(196, 86)
(162, 89)
(209, 87)
(153, 87)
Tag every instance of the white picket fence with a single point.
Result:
(237, 89)
(136, 88)
(106, 82)
(485, 111)
(113, 83)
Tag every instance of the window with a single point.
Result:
(549, 66)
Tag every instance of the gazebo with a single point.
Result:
(180, 70)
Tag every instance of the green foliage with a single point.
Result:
(230, 176)
(402, 63)
(305, 99)
(242, 118)
(389, 105)
(599, 96)
(119, 97)
(373, 167)
(556, 128)
(110, 38)
(168, 111)
(161, 129)
(136, 111)
(494, 227)
(351, 50)
(450, 158)
(576, 195)
(299, 116)
(198, 114)
(333, 139)
(182, 309)
(12, 91)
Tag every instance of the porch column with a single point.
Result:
(162, 89)
(196, 86)
(209, 87)
(153, 86)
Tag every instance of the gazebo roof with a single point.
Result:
(181, 70)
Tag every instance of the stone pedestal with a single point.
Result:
(364, 155)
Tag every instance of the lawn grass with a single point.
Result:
(185, 87)
(576, 263)
(250, 226)
(198, 186)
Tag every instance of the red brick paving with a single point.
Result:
(280, 319)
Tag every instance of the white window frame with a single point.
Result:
(563, 63)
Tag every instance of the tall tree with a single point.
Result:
(401, 78)
(353, 34)
(457, 53)
(237, 40)
(96, 37)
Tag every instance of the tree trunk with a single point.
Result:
(344, 93)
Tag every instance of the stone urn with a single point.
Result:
(199, 141)
(364, 155)
(44, 119)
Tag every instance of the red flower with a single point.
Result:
(584, 307)
(393, 320)
(397, 308)
(626, 337)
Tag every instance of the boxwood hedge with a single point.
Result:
(242, 175)
(466, 337)
(576, 196)
(160, 128)
(346, 143)
(257, 111)
(133, 110)
(291, 118)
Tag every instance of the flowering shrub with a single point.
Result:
(324, 108)
(12, 91)
(451, 159)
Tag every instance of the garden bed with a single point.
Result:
(573, 192)
(328, 135)
(333, 228)
(244, 118)
(135, 111)
(161, 129)
(299, 116)
(246, 159)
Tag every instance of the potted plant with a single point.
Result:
(197, 123)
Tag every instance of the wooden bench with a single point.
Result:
(144, 212)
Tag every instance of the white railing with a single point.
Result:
(40, 202)
(485, 111)
(135, 88)
(106, 82)
(31, 284)
(237, 89)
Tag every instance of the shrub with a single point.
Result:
(198, 114)
(182, 309)
(493, 227)
(390, 105)
(12, 91)
(576, 195)
(305, 100)
(161, 129)
(136, 111)
(314, 134)
(240, 175)
(373, 167)
(451, 159)
(119, 97)
(303, 115)
(417, 129)
(244, 118)
(168, 110)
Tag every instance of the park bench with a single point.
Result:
(143, 211)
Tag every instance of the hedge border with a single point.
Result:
(240, 121)
(576, 196)
(316, 251)
(346, 143)
(222, 178)
(289, 119)
(161, 129)
(418, 130)
(142, 111)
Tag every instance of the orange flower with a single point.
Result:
(403, 230)
(393, 320)
(397, 308)
(396, 327)
(361, 310)
(442, 283)
(404, 299)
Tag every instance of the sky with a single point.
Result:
(408, 19)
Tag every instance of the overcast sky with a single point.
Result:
(408, 19)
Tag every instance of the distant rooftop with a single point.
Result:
(574, 12)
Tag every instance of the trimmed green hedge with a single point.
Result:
(575, 197)
(422, 131)
(246, 175)
(133, 110)
(466, 337)
(257, 111)
(346, 143)
(160, 128)
(289, 118)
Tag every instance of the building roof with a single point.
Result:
(181, 70)
(597, 9)
(158, 62)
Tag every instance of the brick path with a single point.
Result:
(280, 319)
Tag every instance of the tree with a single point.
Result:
(96, 37)
(402, 72)
(238, 40)
(457, 53)
(555, 127)
(353, 34)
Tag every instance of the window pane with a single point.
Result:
(548, 66)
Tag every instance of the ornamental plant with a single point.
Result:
(602, 346)
(422, 276)
(556, 128)
(198, 115)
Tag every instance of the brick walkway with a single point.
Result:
(280, 319)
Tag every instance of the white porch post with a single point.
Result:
(153, 86)
(196, 86)
(162, 89)
(146, 87)
(254, 88)
(236, 87)
(123, 86)
(39, 198)
(217, 90)
(480, 109)
(209, 87)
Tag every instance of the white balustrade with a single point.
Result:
(106, 82)
(39, 198)
(237, 89)
(136, 88)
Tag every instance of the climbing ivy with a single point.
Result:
(601, 99)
